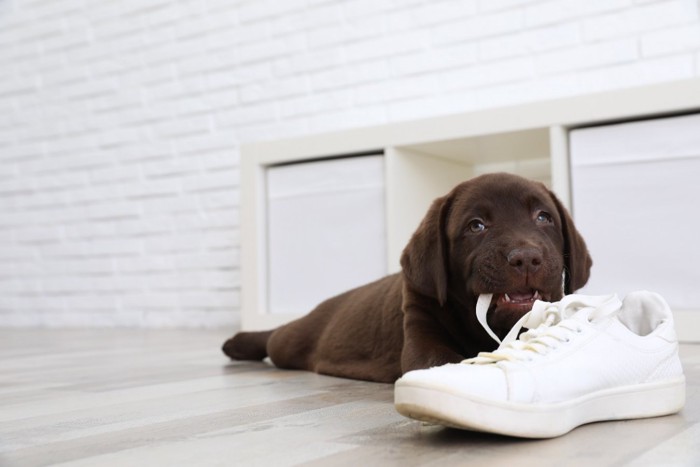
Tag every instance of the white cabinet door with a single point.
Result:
(325, 230)
(636, 199)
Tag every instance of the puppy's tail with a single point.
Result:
(247, 345)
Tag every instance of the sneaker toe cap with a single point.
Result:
(481, 381)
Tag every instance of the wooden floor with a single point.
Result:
(130, 398)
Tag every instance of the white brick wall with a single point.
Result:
(121, 122)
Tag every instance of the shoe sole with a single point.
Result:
(538, 420)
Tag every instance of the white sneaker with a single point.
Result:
(585, 359)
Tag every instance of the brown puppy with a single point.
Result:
(497, 233)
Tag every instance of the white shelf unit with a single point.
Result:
(425, 158)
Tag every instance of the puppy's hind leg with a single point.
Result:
(247, 345)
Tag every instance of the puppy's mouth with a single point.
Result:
(498, 312)
(519, 302)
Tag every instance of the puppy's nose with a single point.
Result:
(527, 259)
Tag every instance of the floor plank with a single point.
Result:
(169, 397)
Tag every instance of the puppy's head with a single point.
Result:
(498, 234)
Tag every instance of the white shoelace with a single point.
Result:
(548, 326)
(484, 301)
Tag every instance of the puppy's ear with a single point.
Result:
(577, 260)
(424, 260)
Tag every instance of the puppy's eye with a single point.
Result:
(476, 226)
(544, 218)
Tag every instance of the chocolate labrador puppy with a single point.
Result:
(495, 234)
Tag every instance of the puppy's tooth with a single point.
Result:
(507, 298)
